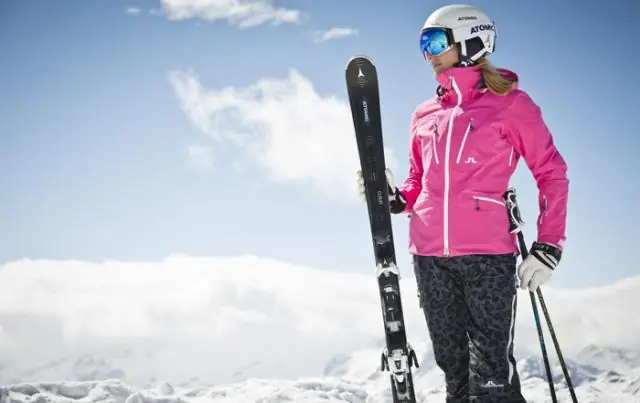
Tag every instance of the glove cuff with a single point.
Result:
(398, 204)
(547, 254)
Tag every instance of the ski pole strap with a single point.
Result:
(515, 219)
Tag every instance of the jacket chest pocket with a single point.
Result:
(468, 159)
(476, 144)
(430, 137)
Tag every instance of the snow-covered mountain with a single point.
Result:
(605, 387)
(256, 330)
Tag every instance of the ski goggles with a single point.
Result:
(435, 41)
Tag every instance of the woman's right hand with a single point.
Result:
(397, 201)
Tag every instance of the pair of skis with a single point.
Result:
(398, 356)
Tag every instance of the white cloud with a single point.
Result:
(227, 319)
(334, 33)
(181, 317)
(133, 10)
(200, 156)
(284, 126)
(243, 13)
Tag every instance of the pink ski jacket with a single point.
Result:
(465, 145)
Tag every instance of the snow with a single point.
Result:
(248, 329)
(305, 390)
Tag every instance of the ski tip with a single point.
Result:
(359, 59)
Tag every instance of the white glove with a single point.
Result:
(538, 267)
(397, 201)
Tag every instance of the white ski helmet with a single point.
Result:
(462, 24)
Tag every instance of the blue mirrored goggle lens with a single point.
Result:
(434, 42)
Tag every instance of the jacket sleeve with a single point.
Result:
(532, 140)
(412, 185)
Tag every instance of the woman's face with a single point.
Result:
(443, 61)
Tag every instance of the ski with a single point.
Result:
(398, 356)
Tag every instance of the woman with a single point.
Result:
(465, 145)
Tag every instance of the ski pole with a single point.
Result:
(534, 305)
(516, 225)
(563, 365)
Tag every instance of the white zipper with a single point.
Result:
(464, 140)
(511, 157)
(544, 209)
(489, 199)
(446, 168)
(434, 142)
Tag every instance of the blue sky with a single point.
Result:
(137, 129)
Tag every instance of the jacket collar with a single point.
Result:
(459, 84)
(464, 83)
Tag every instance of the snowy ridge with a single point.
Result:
(603, 388)
(250, 330)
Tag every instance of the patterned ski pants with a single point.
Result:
(469, 303)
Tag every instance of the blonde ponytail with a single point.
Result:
(494, 81)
